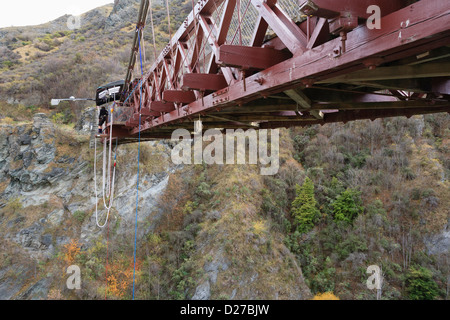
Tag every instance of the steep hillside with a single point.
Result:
(38, 63)
(382, 189)
(201, 234)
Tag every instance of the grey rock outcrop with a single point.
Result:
(203, 291)
(87, 121)
(124, 10)
(219, 263)
(28, 146)
(54, 187)
(439, 243)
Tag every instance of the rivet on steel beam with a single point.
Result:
(308, 82)
(372, 63)
(259, 80)
(337, 51)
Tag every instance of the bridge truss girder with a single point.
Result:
(312, 71)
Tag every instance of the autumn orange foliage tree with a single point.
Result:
(325, 296)
(121, 277)
(72, 250)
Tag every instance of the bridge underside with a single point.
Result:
(268, 64)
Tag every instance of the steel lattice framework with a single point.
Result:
(269, 64)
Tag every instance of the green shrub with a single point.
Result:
(415, 194)
(358, 160)
(352, 243)
(323, 281)
(8, 64)
(428, 193)
(79, 216)
(408, 173)
(203, 190)
(420, 284)
(58, 118)
(347, 206)
(376, 208)
(304, 207)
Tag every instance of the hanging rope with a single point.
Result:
(137, 184)
(107, 233)
(106, 266)
(109, 185)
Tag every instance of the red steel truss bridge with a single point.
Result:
(269, 64)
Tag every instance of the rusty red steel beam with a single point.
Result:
(287, 31)
(186, 30)
(152, 113)
(181, 49)
(192, 65)
(223, 31)
(161, 75)
(329, 117)
(427, 27)
(203, 81)
(160, 106)
(202, 15)
(346, 116)
(331, 8)
(320, 31)
(386, 105)
(342, 105)
(178, 96)
(259, 32)
(323, 94)
(209, 28)
(250, 57)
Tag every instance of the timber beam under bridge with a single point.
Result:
(270, 64)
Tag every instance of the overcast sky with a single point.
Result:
(32, 12)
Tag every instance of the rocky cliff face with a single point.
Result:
(47, 200)
(124, 10)
(46, 179)
(27, 151)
